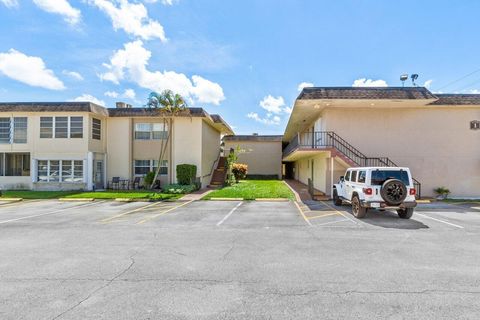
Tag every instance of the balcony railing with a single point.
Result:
(329, 139)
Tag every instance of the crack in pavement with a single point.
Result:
(347, 292)
(91, 294)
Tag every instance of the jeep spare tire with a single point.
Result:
(393, 191)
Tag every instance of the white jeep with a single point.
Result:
(380, 188)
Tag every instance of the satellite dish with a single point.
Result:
(414, 77)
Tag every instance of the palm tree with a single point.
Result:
(168, 105)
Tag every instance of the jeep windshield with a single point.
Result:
(380, 176)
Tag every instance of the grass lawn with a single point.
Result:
(137, 194)
(253, 189)
(127, 194)
(36, 194)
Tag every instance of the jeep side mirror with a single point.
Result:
(342, 178)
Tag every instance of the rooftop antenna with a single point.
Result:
(414, 77)
(403, 78)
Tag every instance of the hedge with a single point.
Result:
(186, 174)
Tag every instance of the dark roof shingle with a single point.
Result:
(390, 93)
(457, 99)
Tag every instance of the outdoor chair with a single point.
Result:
(136, 183)
(115, 182)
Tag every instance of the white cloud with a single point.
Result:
(364, 82)
(129, 93)
(89, 98)
(427, 84)
(474, 91)
(304, 85)
(164, 2)
(131, 63)
(132, 18)
(272, 104)
(73, 74)
(61, 7)
(28, 69)
(111, 94)
(10, 3)
(275, 120)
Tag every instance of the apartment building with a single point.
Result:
(436, 135)
(82, 146)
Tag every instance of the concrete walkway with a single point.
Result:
(300, 190)
(197, 195)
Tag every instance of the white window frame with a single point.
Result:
(54, 133)
(60, 170)
(94, 133)
(151, 125)
(151, 167)
(11, 129)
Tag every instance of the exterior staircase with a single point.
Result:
(219, 174)
(342, 149)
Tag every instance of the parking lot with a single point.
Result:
(236, 260)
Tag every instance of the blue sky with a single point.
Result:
(242, 59)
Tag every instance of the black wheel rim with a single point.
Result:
(394, 192)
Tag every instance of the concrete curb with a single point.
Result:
(133, 200)
(11, 199)
(424, 201)
(295, 193)
(273, 199)
(226, 199)
(76, 199)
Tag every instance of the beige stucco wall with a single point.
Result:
(119, 151)
(187, 144)
(210, 151)
(262, 157)
(435, 142)
(303, 170)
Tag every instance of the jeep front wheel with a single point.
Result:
(358, 211)
(336, 199)
(405, 213)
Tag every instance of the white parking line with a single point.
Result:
(428, 217)
(52, 212)
(323, 224)
(229, 214)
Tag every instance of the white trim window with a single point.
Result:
(151, 131)
(61, 127)
(67, 171)
(96, 129)
(13, 130)
(142, 167)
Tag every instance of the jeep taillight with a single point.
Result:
(413, 191)
(368, 191)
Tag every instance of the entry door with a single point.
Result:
(98, 174)
(313, 173)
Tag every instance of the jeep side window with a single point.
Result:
(347, 176)
(354, 176)
(361, 176)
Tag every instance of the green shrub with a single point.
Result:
(179, 188)
(442, 192)
(240, 171)
(148, 179)
(186, 174)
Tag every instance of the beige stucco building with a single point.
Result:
(262, 154)
(436, 135)
(79, 145)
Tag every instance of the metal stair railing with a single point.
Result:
(329, 139)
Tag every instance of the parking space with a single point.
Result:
(236, 259)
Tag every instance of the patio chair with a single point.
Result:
(136, 183)
(115, 182)
(156, 185)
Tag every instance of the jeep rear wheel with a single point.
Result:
(358, 211)
(336, 199)
(405, 213)
(393, 191)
